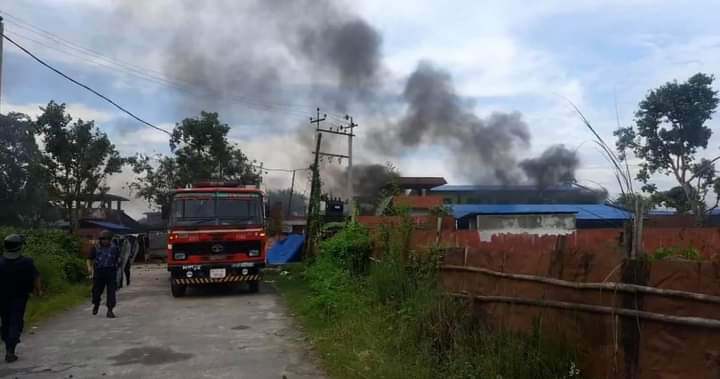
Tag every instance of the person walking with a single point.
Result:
(134, 247)
(18, 278)
(103, 265)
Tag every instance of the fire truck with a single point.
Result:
(216, 236)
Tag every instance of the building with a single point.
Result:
(99, 215)
(418, 205)
(417, 185)
(517, 194)
(523, 217)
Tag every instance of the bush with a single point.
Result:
(687, 253)
(56, 255)
(331, 286)
(350, 248)
(396, 321)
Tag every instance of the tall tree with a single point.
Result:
(670, 131)
(201, 151)
(78, 158)
(23, 192)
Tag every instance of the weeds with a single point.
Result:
(687, 253)
(392, 320)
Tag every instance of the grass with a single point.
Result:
(42, 308)
(360, 343)
(392, 319)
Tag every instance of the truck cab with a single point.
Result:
(216, 236)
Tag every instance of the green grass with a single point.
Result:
(422, 336)
(392, 319)
(41, 308)
(359, 343)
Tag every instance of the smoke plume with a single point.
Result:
(556, 165)
(262, 53)
(483, 148)
(368, 179)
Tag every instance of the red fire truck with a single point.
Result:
(217, 236)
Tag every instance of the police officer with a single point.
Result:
(18, 277)
(103, 265)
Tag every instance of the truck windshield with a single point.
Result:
(217, 208)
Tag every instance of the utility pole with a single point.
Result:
(341, 130)
(314, 205)
(292, 188)
(2, 38)
(350, 194)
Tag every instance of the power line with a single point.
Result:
(26, 51)
(147, 73)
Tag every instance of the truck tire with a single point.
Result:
(254, 286)
(178, 290)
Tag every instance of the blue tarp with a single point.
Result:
(583, 212)
(287, 250)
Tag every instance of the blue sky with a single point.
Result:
(503, 55)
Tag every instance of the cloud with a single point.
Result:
(76, 110)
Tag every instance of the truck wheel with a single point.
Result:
(178, 290)
(254, 286)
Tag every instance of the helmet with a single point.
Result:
(106, 235)
(13, 245)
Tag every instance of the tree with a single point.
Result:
(78, 158)
(23, 192)
(670, 130)
(201, 151)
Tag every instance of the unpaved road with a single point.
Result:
(207, 334)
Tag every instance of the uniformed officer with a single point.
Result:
(18, 277)
(103, 265)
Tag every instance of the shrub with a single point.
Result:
(56, 255)
(350, 248)
(687, 253)
(331, 287)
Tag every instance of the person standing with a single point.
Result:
(18, 278)
(103, 265)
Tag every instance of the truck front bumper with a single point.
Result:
(201, 274)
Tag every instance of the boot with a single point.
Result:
(10, 354)
(96, 308)
(110, 313)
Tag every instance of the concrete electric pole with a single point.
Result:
(2, 38)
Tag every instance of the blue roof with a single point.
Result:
(581, 211)
(480, 188)
(107, 225)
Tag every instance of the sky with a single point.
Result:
(265, 68)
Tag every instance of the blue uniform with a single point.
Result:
(105, 276)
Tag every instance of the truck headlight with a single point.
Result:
(254, 253)
(180, 256)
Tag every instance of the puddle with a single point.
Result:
(149, 356)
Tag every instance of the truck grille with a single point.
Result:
(210, 248)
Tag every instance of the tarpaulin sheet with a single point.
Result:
(286, 250)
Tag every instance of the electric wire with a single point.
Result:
(116, 105)
(147, 73)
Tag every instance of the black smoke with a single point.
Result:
(483, 149)
(554, 166)
(369, 180)
(261, 54)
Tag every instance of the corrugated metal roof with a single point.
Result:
(481, 188)
(107, 225)
(581, 211)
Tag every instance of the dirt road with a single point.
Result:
(208, 334)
